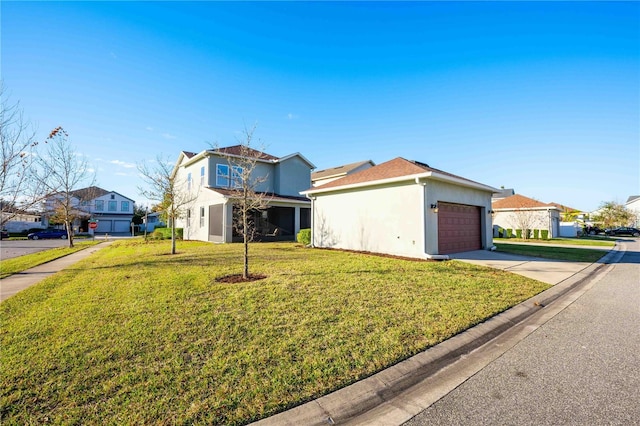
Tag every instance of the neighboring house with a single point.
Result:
(403, 208)
(503, 193)
(633, 204)
(569, 214)
(151, 221)
(329, 175)
(520, 212)
(209, 177)
(16, 220)
(112, 211)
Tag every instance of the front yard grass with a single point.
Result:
(132, 335)
(550, 252)
(21, 263)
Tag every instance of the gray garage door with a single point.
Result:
(121, 226)
(104, 226)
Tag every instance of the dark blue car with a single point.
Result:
(48, 233)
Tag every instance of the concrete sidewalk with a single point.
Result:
(18, 282)
(396, 394)
(546, 270)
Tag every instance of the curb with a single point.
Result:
(356, 399)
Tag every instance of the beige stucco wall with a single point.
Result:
(383, 219)
(392, 218)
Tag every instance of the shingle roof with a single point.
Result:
(564, 208)
(518, 202)
(239, 150)
(344, 169)
(89, 193)
(188, 154)
(398, 167)
(504, 193)
(632, 198)
(269, 195)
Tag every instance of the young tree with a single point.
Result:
(244, 185)
(168, 190)
(611, 214)
(18, 189)
(61, 171)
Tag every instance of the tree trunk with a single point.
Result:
(173, 236)
(67, 226)
(245, 271)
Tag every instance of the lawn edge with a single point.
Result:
(356, 399)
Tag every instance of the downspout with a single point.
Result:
(424, 225)
(312, 220)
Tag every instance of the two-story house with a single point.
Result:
(211, 178)
(112, 211)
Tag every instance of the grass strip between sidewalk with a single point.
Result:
(560, 253)
(132, 335)
(21, 263)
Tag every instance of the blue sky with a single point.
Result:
(542, 97)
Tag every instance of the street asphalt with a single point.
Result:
(579, 368)
(407, 389)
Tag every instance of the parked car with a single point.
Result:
(4, 234)
(48, 233)
(623, 230)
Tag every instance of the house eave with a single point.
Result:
(417, 178)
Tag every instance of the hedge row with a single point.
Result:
(535, 234)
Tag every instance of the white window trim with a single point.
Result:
(222, 177)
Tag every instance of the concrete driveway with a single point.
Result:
(546, 270)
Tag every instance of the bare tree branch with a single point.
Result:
(18, 190)
(164, 187)
(244, 182)
(60, 172)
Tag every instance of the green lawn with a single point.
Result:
(132, 335)
(584, 241)
(549, 252)
(19, 264)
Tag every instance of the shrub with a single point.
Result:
(518, 233)
(545, 234)
(304, 236)
(536, 234)
(509, 232)
(164, 233)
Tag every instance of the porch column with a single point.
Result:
(296, 222)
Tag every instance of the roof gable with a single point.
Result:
(244, 151)
(564, 208)
(89, 193)
(339, 170)
(397, 169)
(519, 202)
(391, 169)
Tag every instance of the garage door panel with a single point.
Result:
(121, 226)
(104, 226)
(458, 228)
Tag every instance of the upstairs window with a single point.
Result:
(236, 177)
(124, 206)
(222, 175)
(112, 206)
(100, 205)
(189, 182)
(202, 176)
